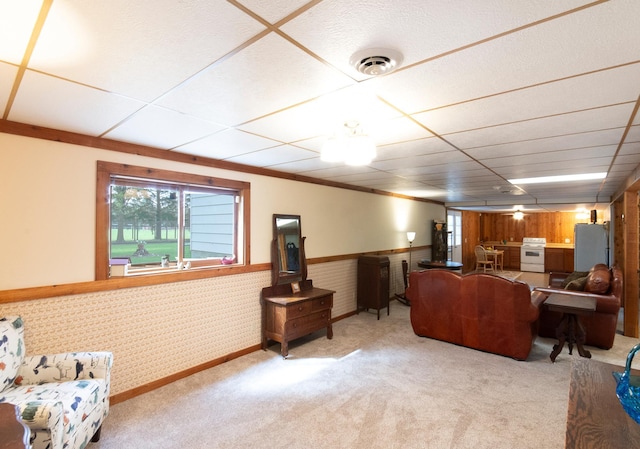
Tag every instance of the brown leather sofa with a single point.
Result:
(478, 310)
(602, 283)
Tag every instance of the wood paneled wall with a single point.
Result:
(556, 227)
(631, 258)
(470, 238)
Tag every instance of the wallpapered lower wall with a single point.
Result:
(161, 330)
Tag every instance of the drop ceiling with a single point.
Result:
(486, 91)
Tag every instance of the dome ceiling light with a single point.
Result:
(376, 61)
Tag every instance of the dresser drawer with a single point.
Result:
(307, 324)
(326, 302)
(299, 309)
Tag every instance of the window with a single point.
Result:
(161, 221)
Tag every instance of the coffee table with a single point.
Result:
(570, 329)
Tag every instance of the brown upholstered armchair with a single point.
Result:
(600, 282)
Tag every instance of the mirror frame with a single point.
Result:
(279, 276)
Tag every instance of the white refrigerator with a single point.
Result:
(591, 246)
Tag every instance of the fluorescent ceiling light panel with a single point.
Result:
(560, 178)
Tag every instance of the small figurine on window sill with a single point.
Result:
(228, 260)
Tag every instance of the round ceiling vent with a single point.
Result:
(376, 61)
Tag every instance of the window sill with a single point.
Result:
(171, 270)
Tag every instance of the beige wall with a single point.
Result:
(47, 231)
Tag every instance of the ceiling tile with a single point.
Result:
(585, 121)
(17, 20)
(269, 75)
(273, 156)
(336, 29)
(7, 75)
(273, 10)
(578, 43)
(162, 128)
(227, 143)
(140, 49)
(565, 96)
(556, 143)
(50, 102)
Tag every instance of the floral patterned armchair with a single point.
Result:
(63, 398)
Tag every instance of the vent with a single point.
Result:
(509, 190)
(376, 61)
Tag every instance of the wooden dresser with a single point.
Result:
(287, 315)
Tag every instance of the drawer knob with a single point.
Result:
(300, 308)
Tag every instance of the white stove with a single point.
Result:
(532, 254)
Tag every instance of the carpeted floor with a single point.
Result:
(512, 275)
(375, 385)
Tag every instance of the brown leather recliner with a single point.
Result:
(480, 311)
(606, 286)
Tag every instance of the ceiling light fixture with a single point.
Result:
(350, 145)
(560, 178)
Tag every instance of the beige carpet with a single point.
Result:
(375, 385)
(512, 275)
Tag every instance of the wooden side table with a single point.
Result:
(498, 258)
(14, 434)
(570, 329)
(595, 417)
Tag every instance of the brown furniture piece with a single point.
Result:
(603, 284)
(570, 330)
(558, 259)
(497, 255)
(288, 315)
(14, 434)
(511, 256)
(402, 297)
(439, 241)
(478, 310)
(292, 307)
(595, 418)
(446, 265)
(373, 283)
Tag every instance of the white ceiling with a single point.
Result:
(487, 91)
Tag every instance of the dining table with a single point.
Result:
(497, 255)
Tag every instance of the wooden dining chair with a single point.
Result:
(482, 260)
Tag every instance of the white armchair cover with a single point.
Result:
(63, 398)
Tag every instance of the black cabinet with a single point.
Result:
(439, 237)
(373, 283)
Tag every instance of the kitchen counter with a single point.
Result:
(558, 257)
(519, 244)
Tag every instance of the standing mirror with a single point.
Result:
(287, 251)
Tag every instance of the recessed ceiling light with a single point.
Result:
(560, 178)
